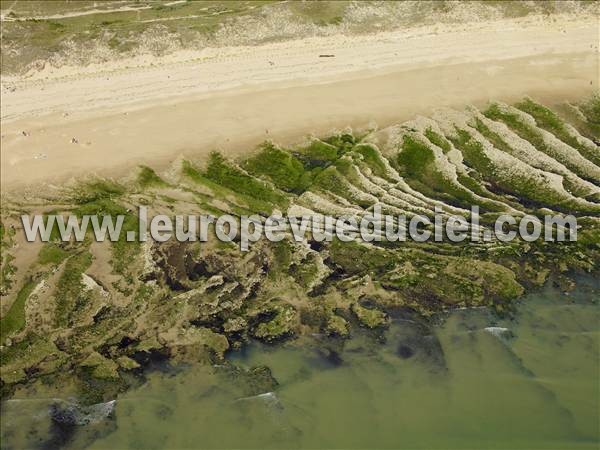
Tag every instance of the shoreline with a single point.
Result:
(447, 164)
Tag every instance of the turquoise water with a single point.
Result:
(475, 381)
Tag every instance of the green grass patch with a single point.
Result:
(320, 13)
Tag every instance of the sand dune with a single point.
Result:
(68, 122)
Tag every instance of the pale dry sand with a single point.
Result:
(152, 111)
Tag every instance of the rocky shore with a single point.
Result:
(96, 315)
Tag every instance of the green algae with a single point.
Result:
(14, 319)
(590, 109)
(535, 137)
(373, 159)
(102, 368)
(369, 318)
(6, 272)
(52, 253)
(279, 166)
(416, 162)
(550, 121)
(318, 154)
(355, 258)
(305, 271)
(95, 190)
(528, 387)
(332, 180)
(124, 252)
(7, 269)
(148, 178)
(499, 143)
(415, 157)
(225, 174)
(280, 326)
(70, 293)
(337, 326)
(438, 139)
(251, 204)
(527, 189)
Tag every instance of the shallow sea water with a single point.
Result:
(476, 381)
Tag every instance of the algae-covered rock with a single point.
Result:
(193, 301)
(253, 381)
(13, 376)
(70, 413)
(369, 318)
(280, 326)
(235, 325)
(102, 368)
(196, 343)
(127, 363)
(34, 354)
(337, 326)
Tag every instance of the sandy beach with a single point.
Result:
(71, 122)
